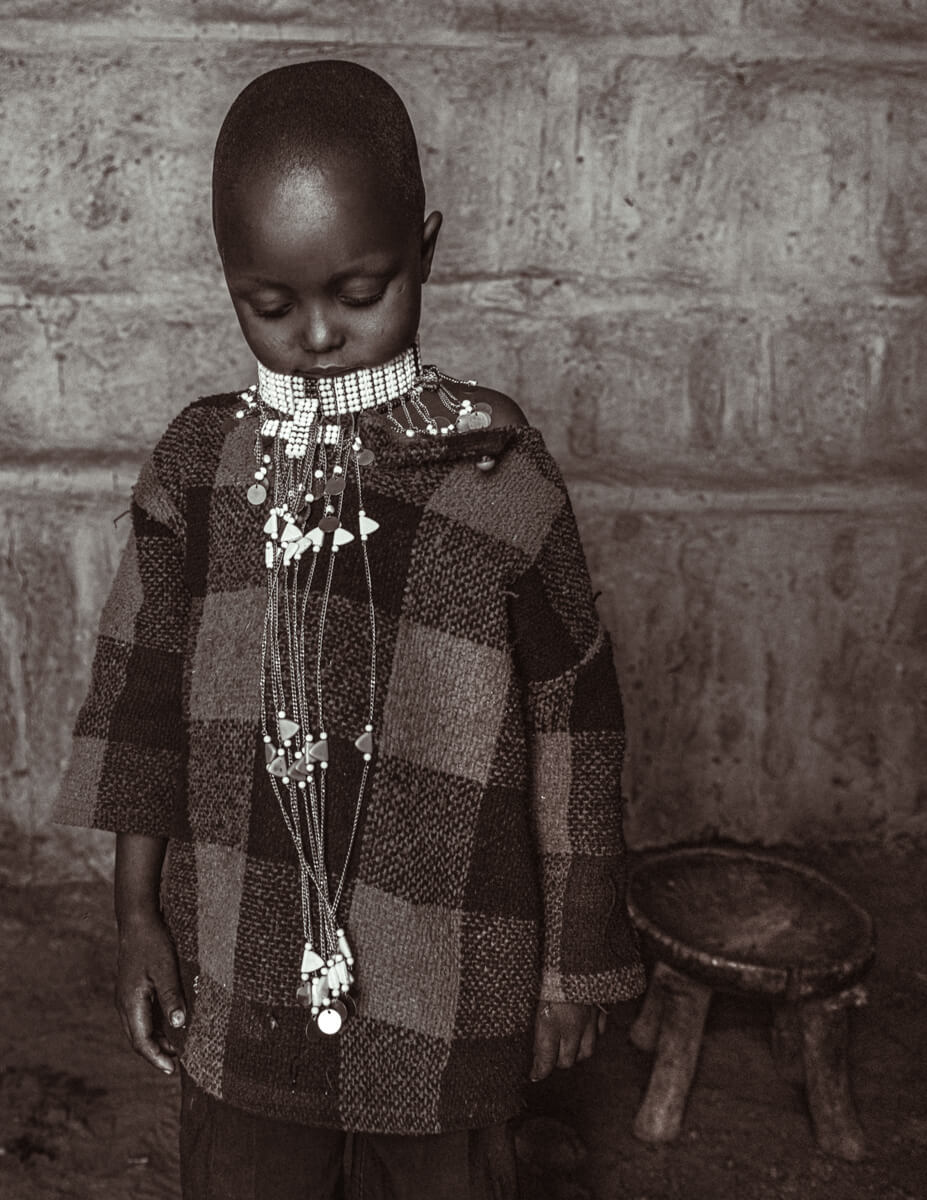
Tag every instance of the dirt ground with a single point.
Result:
(81, 1117)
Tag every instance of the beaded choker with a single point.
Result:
(339, 395)
(309, 454)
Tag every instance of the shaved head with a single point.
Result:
(307, 115)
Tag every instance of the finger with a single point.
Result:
(589, 1038)
(570, 1036)
(602, 1021)
(546, 1045)
(141, 1032)
(170, 998)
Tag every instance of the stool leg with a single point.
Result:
(685, 1006)
(646, 1028)
(786, 1043)
(825, 1036)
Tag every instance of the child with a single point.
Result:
(351, 681)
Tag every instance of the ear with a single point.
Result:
(430, 232)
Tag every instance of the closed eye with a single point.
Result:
(362, 301)
(272, 314)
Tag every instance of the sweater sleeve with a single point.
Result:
(126, 770)
(576, 738)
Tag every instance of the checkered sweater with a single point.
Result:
(489, 870)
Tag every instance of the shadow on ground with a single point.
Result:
(81, 1117)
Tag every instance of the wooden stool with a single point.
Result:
(754, 924)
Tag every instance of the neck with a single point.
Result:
(338, 395)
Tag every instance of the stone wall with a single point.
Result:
(690, 236)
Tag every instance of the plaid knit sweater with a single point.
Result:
(489, 871)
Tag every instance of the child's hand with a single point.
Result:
(564, 1034)
(148, 990)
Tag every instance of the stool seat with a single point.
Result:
(717, 918)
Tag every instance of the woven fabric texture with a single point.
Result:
(489, 872)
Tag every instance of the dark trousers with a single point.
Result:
(229, 1154)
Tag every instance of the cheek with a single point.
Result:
(266, 343)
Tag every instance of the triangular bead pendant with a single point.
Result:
(278, 766)
(318, 751)
(311, 961)
(288, 728)
(341, 536)
(367, 525)
(270, 525)
(299, 770)
(365, 743)
(270, 752)
(292, 533)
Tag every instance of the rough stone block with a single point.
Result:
(670, 392)
(719, 175)
(774, 664)
(368, 21)
(106, 163)
(104, 374)
(60, 554)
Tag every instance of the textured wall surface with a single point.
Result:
(689, 236)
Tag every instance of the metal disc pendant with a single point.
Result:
(257, 494)
(332, 1018)
(474, 419)
(329, 523)
(365, 458)
(335, 485)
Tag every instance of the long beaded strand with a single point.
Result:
(308, 449)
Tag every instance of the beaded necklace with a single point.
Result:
(308, 452)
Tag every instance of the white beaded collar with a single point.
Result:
(339, 395)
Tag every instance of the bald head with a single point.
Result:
(307, 115)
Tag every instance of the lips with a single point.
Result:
(323, 372)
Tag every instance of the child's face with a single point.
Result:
(324, 277)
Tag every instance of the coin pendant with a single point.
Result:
(331, 1019)
(257, 493)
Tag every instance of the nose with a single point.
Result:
(321, 331)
